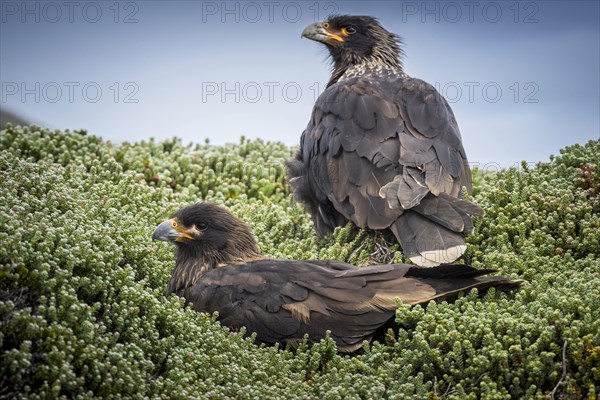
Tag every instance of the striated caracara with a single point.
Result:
(219, 268)
(382, 149)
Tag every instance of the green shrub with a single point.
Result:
(82, 310)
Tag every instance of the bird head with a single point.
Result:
(209, 232)
(353, 40)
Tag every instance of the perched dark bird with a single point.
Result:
(382, 149)
(219, 268)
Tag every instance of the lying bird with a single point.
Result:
(382, 149)
(219, 268)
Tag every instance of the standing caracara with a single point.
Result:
(219, 268)
(382, 149)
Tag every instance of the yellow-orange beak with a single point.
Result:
(319, 33)
(172, 231)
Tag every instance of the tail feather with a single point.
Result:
(450, 212)
(426, 242)
(431, 233)
(449, 279)
(449, 289)
(448, 271)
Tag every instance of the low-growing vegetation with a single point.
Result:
(83, 312)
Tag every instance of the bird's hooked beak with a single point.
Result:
(319, 33)
(171, 231)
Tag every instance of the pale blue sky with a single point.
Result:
(522, 77)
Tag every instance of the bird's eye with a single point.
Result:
(325, 24)
(202, 226)
(174, 224)
(350, 30)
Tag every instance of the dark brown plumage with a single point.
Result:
(219, 268)
(382, 149)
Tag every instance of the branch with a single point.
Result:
(564, 368)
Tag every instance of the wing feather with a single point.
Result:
(301, 297)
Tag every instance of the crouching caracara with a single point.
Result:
(382, 149)
(219, 268)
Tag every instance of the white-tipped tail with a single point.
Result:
(434, 258)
